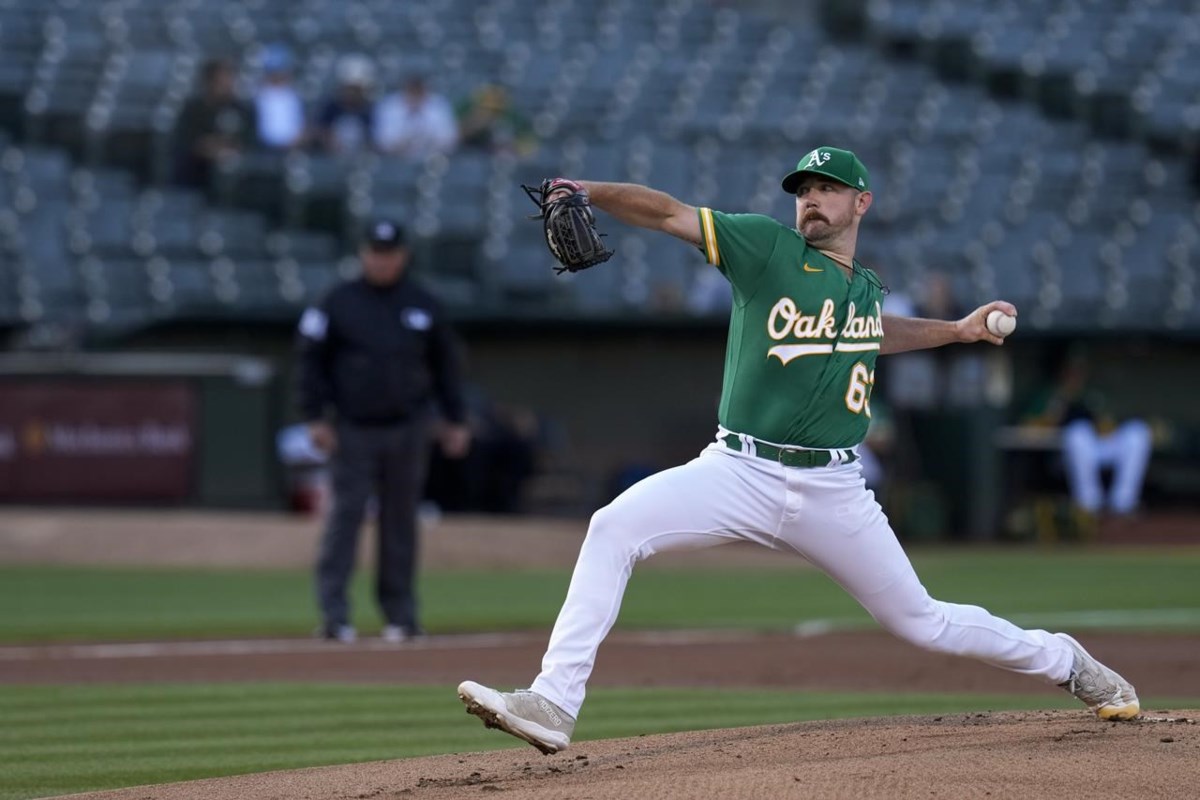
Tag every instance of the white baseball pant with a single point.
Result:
(1086, 452)
(825, 515)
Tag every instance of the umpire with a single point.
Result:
(376, 357)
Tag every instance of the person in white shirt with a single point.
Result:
(415, 122)
(279, 109)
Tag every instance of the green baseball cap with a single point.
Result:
(841, 165)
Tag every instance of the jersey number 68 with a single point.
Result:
(858, 394)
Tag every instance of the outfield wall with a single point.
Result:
(620, 399)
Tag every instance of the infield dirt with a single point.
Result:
(1062, 755)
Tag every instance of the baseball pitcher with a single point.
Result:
(806, 329)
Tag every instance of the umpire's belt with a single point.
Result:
(788, 456)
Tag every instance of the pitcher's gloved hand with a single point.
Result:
(569, 224)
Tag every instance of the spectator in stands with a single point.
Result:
(279, 107)
(377, 357)
(488, 121)
(345, 123)
(215, 125)
(1093, 439)
(415, 123)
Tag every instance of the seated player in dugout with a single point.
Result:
(1093, 438)
(783, 471)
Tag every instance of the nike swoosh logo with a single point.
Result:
(807, 268)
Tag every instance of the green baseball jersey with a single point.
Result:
(803, 335)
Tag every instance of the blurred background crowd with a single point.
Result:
(409, 122)
(179, 180)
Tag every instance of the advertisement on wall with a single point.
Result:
(96, 441)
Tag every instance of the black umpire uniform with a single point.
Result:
(376, 357)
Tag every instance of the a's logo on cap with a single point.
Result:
(384, 230)
(861, 185)
(815, 159)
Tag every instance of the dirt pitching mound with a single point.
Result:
(1053, 754)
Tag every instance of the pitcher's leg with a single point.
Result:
(712, 500)
(849, 538)
(907, 611)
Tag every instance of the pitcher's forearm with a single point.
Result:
(631, 203)
(644, 207)
(901, 334)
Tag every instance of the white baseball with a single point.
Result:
(999, 323)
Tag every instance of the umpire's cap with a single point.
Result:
(384, 234)
(841, 165)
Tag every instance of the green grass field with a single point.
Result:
(1151, 589)
(79, 738)
(76, 738)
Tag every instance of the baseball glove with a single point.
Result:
(570, 226)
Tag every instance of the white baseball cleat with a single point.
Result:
(1104, 691)
(524, 714)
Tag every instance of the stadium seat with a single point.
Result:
(981, 145)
